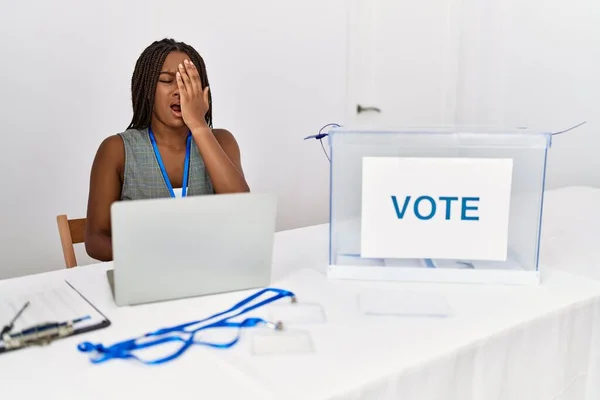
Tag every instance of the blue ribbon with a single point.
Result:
(162, 166)
(185, 335)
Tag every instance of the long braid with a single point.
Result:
(145, 77)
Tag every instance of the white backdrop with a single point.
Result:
(276, 71)
(536, 64)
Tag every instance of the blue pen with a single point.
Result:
(41, 334)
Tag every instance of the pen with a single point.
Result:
(42, 333)
(50, 325)
(9, 327)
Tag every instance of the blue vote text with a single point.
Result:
(427, 207)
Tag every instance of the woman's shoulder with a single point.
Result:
(112, 144)
(221, 132)
(119, 142)
(111, 151)
(224, 137)
(132, 134)
(120, 137)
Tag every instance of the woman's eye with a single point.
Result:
(166, 80)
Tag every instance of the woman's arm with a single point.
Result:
(218, 148)
(221, 156)
(105, 188)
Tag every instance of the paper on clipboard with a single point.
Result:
(58, 302)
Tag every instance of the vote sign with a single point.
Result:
(442, 208)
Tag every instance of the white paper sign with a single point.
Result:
(445, 208)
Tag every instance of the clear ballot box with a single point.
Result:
(437, 205)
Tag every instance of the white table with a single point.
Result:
(501, 343)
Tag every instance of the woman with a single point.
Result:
(169, 149)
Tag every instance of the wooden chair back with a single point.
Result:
(71, 231)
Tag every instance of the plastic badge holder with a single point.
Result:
(403, 303)
(297, 313)
(282, 342)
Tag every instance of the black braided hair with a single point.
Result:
(146, 74)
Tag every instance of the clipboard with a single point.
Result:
(45, 314)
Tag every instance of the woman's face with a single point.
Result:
(167, 108)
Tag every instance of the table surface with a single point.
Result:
(351, 351)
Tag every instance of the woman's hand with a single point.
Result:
(194, 99)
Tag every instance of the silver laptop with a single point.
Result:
(173, 248)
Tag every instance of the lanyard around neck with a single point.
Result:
(164, 170)
(185, 333)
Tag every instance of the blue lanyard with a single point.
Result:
(162, 166)
(185, 333)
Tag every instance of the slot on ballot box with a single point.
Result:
(437, 205)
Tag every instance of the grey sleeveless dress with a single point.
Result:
(143, 179)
